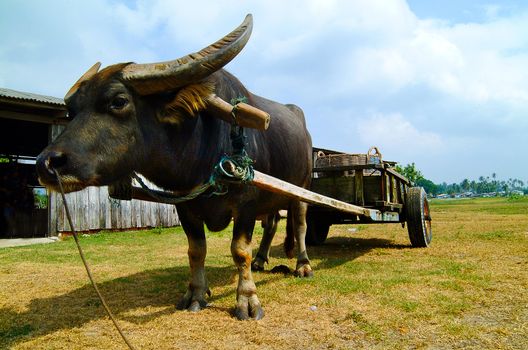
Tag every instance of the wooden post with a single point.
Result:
(394, 196)
(386, 177)
(358, 187)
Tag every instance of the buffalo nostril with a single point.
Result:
(55, 160)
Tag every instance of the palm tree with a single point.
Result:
(465, 185)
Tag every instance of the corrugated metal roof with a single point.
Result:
(26, 96)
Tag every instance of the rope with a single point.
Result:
(234, 103)
(240, 169)
(88, 271)
(236, 168)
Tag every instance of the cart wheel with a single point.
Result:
(316, 231)
(418, 217)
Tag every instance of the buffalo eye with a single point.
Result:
(118, 102)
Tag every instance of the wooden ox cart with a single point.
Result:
(367, 181)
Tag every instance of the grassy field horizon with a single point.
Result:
(371, 290)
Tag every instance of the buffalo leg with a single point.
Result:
(248, 304)
(270, 228)
(194, 298)
(298, 225)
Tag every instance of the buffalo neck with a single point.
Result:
(183, 156)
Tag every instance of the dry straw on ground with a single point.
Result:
(370, 290)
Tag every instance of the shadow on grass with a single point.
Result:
(338, 250)
(159, 289)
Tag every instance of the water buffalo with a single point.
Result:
(153, 119)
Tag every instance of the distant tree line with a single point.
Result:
(483, 185)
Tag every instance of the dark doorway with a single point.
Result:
(23, 202)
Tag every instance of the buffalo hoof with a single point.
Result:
(304, 270)
(258, 264)
(193, 301)
(249, 308)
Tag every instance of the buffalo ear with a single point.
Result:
(187, 102)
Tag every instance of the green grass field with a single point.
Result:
(370, 290)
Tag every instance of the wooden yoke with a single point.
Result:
(244, 115)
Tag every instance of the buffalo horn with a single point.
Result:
(86, 76)
(152, 78)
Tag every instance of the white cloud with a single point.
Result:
(480, 63)
(396, 133)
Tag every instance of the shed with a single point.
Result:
(27, 124)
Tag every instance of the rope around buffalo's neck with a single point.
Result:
(88, 271)
(232, 169)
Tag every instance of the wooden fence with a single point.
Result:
(93, 209)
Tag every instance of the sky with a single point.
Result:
(443, 84)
